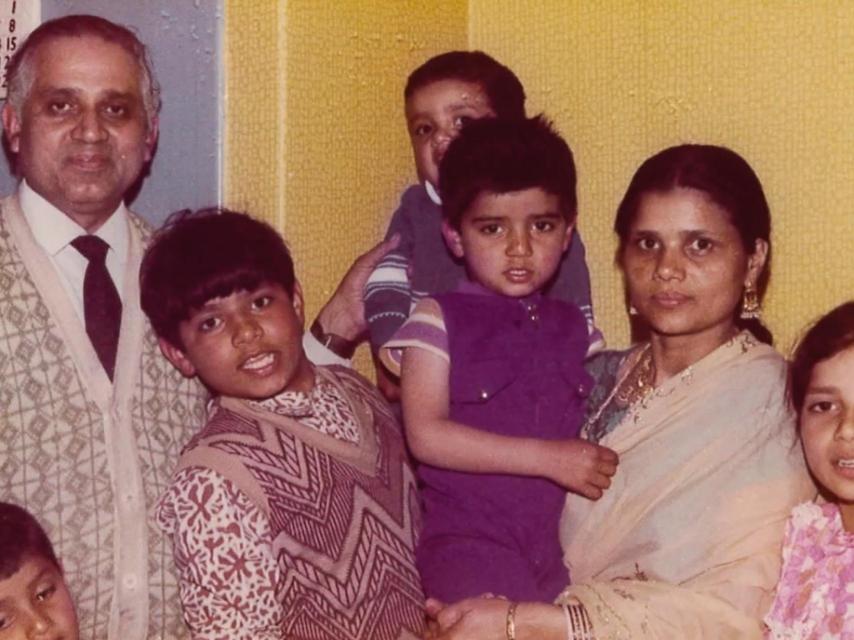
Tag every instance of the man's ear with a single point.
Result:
(151, 136)
(177, 357)
(299, 305)
(11, 127)
(453, 239)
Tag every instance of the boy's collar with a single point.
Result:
(475, 288)
(432, 192)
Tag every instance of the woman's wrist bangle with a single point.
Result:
(510, 625)
(578, 624)
(569, 633)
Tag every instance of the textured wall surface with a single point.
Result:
(316, 141)
(183, 38)
(254, 109)
(772, 80)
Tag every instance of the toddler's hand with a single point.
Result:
(581, 466)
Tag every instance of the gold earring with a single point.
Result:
(632, 310)
(750, 309)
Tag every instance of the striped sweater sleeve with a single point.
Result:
(388, 293)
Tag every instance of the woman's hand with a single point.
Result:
(471, 619)
(579, 465)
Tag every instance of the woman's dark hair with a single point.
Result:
(832, 334)
(501, 156)
(206, 254)
(728, 180)
(502, 88)
(21, 538)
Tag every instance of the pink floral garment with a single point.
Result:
(815, 595)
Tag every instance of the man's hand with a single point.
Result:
(344, 314)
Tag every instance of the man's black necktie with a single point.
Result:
(101, 303)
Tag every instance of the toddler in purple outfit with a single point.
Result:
(441, 97)
(493, 383)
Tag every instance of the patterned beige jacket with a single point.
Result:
(89, 458)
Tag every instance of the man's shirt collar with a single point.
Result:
(53, 230)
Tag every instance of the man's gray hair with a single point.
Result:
(20, 73)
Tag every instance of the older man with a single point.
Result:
(87, 445)
(92, 417)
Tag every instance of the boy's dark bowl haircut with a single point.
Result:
(206, 254)
(502, 156)
(501, 86)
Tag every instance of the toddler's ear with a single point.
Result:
(452, 239)
(177, 357)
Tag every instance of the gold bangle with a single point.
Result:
(510, 626)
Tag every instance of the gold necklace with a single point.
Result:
(639, 382)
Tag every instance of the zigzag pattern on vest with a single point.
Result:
(343, 534)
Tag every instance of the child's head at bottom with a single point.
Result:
(34, 600)
(509, 203)
(220, 291)
(821, 387)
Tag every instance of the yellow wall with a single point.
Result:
(315, 141)
(255, 105)
(772, 80)
(333, 181)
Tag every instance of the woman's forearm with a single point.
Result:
(540, 621)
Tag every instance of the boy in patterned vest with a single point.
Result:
(293, 513)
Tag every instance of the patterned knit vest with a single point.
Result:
(344, 518)
(58, 449)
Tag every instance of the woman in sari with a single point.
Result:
(686, 541)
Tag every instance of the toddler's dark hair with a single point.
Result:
(500, 156)
(206, 254)
(21, 538)
(503, 89)
(832, 334)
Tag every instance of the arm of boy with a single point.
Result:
(223, 556)
(578, 465)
